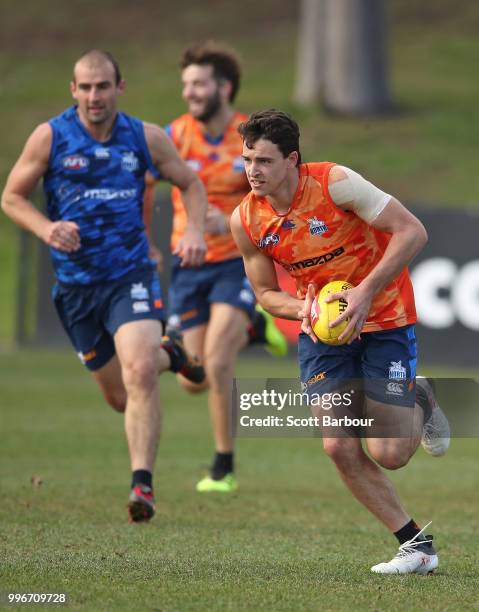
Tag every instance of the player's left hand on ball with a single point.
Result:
(192, 249)
(359, 303)
(305, 313)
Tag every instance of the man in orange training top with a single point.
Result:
(214, 304)
(323, 222)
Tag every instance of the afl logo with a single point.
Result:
(268, 240)
(76, 162)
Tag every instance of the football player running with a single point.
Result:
(340, 226)
(93, 160)
(214, 304)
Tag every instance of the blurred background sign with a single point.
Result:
(446, 286)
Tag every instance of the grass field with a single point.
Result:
(291, 538)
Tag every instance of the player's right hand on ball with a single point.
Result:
(63, 235)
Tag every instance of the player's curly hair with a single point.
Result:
(275, 126)
(225, 62)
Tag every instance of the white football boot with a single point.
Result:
(413, 557)
(436, 434)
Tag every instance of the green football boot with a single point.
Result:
(227, 484)
(274, 340)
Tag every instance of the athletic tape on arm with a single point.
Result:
(362, 197)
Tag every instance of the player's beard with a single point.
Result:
(213, 105)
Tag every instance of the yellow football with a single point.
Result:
(323, 313)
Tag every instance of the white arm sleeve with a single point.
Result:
(362, 197)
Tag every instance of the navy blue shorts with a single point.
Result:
(91, 314)
(383, 361)
(193, 290)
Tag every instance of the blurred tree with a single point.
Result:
(342, 58)
(309, 72)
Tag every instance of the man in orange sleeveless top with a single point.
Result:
(324, 222)
(214, 304)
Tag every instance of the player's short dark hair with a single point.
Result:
(274, 125)
(225, 62)
(99, 54)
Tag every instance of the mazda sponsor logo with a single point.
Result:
(314, 261)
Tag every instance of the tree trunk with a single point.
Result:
(355, 70)
(309, 73)
(342, 56)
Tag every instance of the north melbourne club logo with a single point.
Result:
(139, 292)
(246, 296)
(397, 371)
(129, 161)
(317, 227)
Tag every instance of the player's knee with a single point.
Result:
(140, 374)
(216, 369)
(391, 456)
(341, 451)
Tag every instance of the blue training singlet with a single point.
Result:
(99, 186)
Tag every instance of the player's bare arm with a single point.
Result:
(408, 237)
(192, 247)
(29, 168)
(148, 202)
(262, 275)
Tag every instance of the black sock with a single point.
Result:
(423, 401)
(222, 465)
(408, 532)
(142, 477)
(257, 329)
(175, 352)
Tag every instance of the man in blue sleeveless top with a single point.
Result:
(93, 160)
